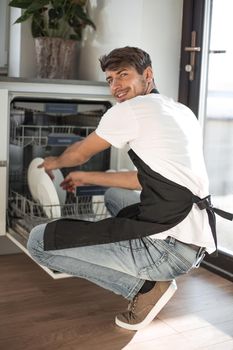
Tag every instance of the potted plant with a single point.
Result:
(56, 26)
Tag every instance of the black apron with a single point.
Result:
(163, 205)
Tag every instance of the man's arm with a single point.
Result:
(126, 179)
(77, 154)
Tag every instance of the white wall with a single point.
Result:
(153, 25)
(15, 44)
(162, 26)
(21, 50)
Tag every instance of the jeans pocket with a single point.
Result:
(179, 266)
(153, 271)
(167, 267)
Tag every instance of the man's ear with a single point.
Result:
(148, 74)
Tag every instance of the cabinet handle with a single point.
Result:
(3, 163)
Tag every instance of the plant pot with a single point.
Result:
(55, 57)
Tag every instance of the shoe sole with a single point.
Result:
(154, 312)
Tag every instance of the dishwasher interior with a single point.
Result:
(41, 128)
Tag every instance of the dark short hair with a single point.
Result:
(124, 57)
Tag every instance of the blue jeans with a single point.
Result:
(121, 267)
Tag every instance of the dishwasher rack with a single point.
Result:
(28, 213)
(40, 135)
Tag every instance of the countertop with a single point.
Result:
(51, 81)
(45, 87)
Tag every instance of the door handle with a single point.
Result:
(217, 51)
(193, 49)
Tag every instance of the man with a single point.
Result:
(140, 252)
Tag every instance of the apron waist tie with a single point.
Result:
(205, 203)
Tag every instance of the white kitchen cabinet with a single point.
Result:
(4, 35)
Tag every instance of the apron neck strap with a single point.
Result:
(154, 91)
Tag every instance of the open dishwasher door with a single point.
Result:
(39, 123)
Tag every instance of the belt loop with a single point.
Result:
(200, 256)
(172, 241)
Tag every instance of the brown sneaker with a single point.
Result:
(144, 307)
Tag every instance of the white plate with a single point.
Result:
(43, 189)
(58, 178)
(98, 205)
(32, 184)
(48, 197)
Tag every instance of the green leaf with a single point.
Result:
(79, 12)
(57, 3)
(24, 17)
(22, 4)
(37, 26)
(68, 12)
(75, 37)
(37, 5)
(90, 23)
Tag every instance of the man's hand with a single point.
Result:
(49, 164)
(74, 179)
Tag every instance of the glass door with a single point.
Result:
(206, 86)
(218, 121)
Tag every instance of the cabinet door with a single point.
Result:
(4, 38)
(4, 113)
(3, 197)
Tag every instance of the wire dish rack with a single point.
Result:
(29, 213)
(40, 135)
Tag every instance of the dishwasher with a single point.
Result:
(45, 123)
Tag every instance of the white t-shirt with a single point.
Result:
(167, 137)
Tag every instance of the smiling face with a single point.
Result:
(126, 83)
